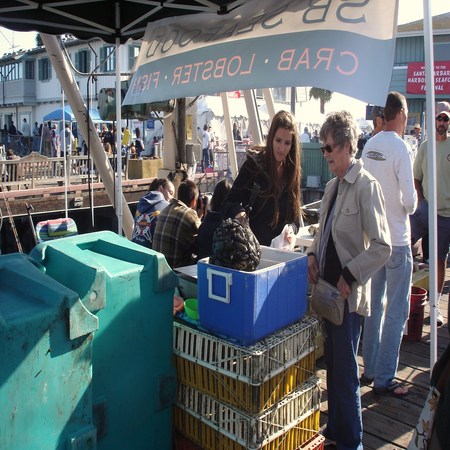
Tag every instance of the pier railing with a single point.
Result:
(35, 170)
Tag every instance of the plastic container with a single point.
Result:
(414, 325)
(245, 307)
(46, 339)
(251, 378)
(287, 425)
(130, 289)
(315, 443)
(191, 308)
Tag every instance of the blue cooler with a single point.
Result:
(245, 307)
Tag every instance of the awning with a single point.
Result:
(267, 43)
(67, 115)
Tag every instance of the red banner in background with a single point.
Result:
(416, 84)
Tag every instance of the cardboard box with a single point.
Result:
(143, 168)
(245, 307)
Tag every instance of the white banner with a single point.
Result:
(342, 46)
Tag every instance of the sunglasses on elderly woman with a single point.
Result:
(328, 148)
(443, 118)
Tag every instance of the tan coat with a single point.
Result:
(359, 229)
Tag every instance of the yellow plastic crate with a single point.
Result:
(294, 425)
(213, 425)
(240, 394)
(253, 364)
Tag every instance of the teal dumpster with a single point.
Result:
(46, 337)
(130, 289)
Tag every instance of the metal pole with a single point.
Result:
(118, 138)
(431, 146)
(66, 208)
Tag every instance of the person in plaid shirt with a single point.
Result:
(177, 228)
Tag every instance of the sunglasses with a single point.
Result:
(442, 118)
(328, 148)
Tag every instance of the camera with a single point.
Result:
(203, 201)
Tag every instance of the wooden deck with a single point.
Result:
(388, 422)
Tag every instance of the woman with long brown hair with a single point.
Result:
(267, 188)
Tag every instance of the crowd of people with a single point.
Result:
(54, 139)
(366, 253)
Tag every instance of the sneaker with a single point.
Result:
(439, 317)
(365, 380)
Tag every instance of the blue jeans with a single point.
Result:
(344, 402)
(383, 330)
(205, 159)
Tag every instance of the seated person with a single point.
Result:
(212, 219)
(148, 209)
(176, 232)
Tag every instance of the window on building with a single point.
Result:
(108, 58)
(11, 71)
(83, 60)
(133, 52)
(45, 69)
(29, 70)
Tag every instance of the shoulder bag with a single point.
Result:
(327, 302)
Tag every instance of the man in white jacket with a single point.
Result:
(390, 160)
(66, 141)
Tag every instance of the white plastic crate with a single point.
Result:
(250, 431)
(252, 364)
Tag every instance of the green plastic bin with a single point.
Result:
(130, 289)
(46, 337)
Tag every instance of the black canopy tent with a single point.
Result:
(107, 19)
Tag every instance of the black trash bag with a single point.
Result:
(235, 246)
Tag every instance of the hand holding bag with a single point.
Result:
(327, 302)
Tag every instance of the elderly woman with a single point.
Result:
(352, 243)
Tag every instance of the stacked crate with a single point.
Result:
(264, 396)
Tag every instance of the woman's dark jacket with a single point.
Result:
(252, 179)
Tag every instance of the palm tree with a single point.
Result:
(39, 42)
(320, 94)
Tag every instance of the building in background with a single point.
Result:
(408, 74)
(29, 86)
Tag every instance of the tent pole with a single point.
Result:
(66, 209)
(253, 118)
(72, 92)
(232, 160)
(118, 137)
(268, 97)
(432, 203)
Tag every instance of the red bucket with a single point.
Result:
(414, 324)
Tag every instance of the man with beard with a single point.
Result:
(419, 220)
